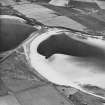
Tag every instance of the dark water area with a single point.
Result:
(13, 33)
(62, 44)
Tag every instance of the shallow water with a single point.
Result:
(76, 67)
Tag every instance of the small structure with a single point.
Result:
(60, 2)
